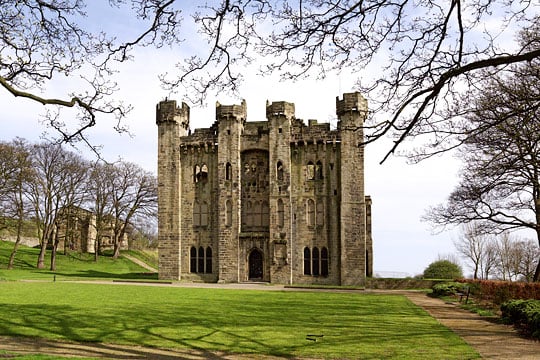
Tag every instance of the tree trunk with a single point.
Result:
(42, 252)
(536, 277)
(53, 251)
(16, 246)
(116, 252)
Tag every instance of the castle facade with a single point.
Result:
(276, 201)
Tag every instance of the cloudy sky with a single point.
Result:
(401, 193)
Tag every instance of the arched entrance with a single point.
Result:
(255, 265)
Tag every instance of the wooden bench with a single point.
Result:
(464, 294)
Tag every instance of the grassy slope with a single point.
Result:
(259, 322)
(69, 267)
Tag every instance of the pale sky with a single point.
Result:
(401, 193)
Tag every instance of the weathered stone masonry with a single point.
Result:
(273, 200)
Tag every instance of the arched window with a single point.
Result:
(310, 211)
(200, 263)
(208, 269)
(228, 213)
(320, 213)
(307, 261)
(204, 214)
(193, 260)
(324, 261)
(319, 170)
(280, 213)
(228, 171)
(315, 259)
(196, 214)
(204, 172)
(310, 170)
(279, 171)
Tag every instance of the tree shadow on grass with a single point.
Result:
(106, 275)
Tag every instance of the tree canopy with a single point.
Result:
(412, 59)
(500, 181)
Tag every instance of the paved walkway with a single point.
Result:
(490, 339)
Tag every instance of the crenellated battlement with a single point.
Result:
(351, 102)
(168, 111)
(231, 111)
(279, 108)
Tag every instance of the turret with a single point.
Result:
(352, 111)
(168, 112)
(238, 112)
(172, 122)
(230, 119)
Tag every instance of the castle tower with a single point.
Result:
(351, 112)
(172, 122)
(280, 115)
(230, 120)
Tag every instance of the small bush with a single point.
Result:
(525, 314)
(448, 288)
(443, 269)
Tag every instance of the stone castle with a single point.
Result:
(274, 201)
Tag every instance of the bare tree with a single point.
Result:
(134, 192)
(489, 264)
(71, 192)
(425, 52)
(499, 185)
(55, 187)
(529, 253)
(508, 255)
(15, 174)
(472, 245)
(42, 42)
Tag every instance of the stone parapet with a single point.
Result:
(351, 102)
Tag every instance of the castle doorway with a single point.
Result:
(255, 261)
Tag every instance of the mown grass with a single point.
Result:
(367, 326)
(353, 325)
(74, 266)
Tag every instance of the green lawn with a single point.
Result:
(366, 326)
(348, 325)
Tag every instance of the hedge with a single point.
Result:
(524, 314)
(499, 292)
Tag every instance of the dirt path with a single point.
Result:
(140, 263)
(491, 340)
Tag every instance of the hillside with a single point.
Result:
(72, 266)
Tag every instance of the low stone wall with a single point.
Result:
(399, 284)
(26, 241)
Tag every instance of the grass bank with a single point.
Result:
(73, 266)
